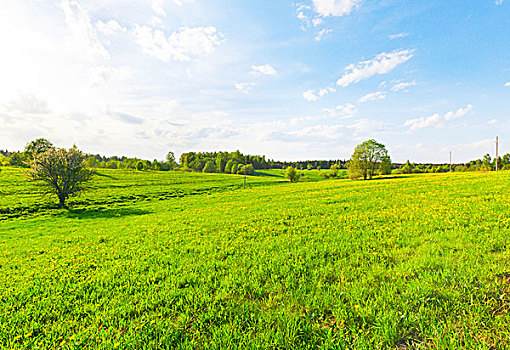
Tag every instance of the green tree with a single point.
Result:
(209, 167)
(140, 166)
(170, 160)
(366, 159)
(385, 166)
(292, 174)
(250, 169)
(229, 165)
(61, 172)
(233, 170)
(406, 168)
(220, 163)
(487, 162)
(37, 146)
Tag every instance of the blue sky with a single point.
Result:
(288, 79)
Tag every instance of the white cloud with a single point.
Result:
(157, 5)
(437, 120)
(110, 28)
(322, 33)
(336, 8)
(397, 36)
(265, 69)
(83, 36)
(179, 45)
(492, 121)
(316, 21)
(27, 103)
(507, 84)
(367, 126)
(402, 86)
(499, 2)
(244, 87)
(379, 95)
(381, 64)
(344, 111)
(311, 95)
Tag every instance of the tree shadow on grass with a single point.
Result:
(103, 175)
(104, 213)
(391, 177)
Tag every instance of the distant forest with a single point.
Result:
(239, 163)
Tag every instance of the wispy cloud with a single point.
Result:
(322, 33)
(437, 120)
(374, 96)
(265, 69)
(345, 111)
(336, 8)
(244, 87)
(402, 86)
(27, 103)
(110, 28)
(507, 84)
(397, 36)
(179, 45)
(381, 64)
(311, 95)
(83, 36)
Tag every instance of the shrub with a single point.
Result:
(61, 172)
(292, 174)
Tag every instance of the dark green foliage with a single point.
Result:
(209, 167)
(140, 166)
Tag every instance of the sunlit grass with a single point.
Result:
(417, 261)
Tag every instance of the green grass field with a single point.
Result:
(181, 260)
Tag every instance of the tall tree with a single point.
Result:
(366, 159)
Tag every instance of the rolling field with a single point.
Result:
(181, 260)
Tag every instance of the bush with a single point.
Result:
(250, 170)
(292, 174)
(140, 166)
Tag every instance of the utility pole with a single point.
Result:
(244, 185)
(497, 153)
(450, 161)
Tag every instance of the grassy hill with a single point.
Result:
(183, 260)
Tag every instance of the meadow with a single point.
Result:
(170, 260)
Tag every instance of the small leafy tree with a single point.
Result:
(250, 170)
(292, 174)
(170, 159)
(366, 160)
(140, 166)
(61, 172)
